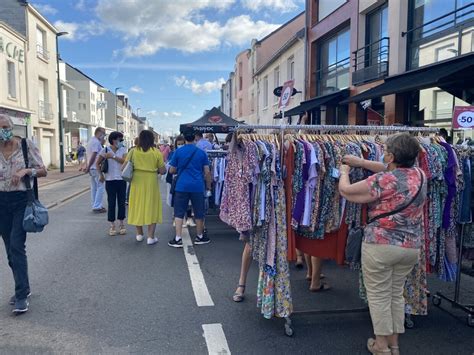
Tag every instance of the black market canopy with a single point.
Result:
(311, 104)
(214, 121)
(453, 75)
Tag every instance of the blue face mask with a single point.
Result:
(120, 145)
(6, 134)
(382, 160)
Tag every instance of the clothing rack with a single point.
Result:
(216, 153)
(455, 302)
(333, 128)
(341, 128)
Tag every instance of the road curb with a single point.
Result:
(54, 204)
(60, 180)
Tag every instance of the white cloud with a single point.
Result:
(136, 89)
(276, 5)
(45, 9)
(149, 26)
(199, 88)
(158, 114)
(79, 31)
(80, 5)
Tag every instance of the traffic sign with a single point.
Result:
(463, 117)
(286, 94)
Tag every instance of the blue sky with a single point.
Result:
(168, 56)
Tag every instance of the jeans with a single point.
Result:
(385, 269)
(116, 191)
(12, 210)
(97, 190)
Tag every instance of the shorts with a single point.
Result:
(181, 201)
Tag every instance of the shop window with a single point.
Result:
(437, 24)
(276, 81)
(11, 74)
(326, 7)
(265, 92)
(334, 62)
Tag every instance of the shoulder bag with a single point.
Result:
(176, 177)
(104, 165)
(36, 215)
(356, 235)
(127, 172)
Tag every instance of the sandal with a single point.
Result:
(321, 277)
(122, 230)
(321, 288)
(372, 350)
(395, 350)
(112, 232)
(239, 297)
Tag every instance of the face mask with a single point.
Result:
(6, 134)
(382, 160)
(120, 145)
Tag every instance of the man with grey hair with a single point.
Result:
(94, 147)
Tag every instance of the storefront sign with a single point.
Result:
(12, 50)
(463, 117)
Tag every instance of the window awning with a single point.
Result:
(434, 75)
(304, 106)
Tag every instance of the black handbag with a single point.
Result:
(176, 177)
(356, 235)
(104, 165)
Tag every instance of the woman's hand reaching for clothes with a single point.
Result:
(345, 169)
(353, 161)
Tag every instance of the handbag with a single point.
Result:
(104, 165)
(36, 215)
(127, 172)
(176, 177)
(356, 235)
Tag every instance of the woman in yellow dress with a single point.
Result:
(145, 198)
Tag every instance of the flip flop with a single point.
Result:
(321, 288)
(239, 297)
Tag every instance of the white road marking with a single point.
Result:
(201, 293)
(215, 339)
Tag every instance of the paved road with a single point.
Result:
(98, 294)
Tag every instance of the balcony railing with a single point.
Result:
(45, 113)
(450, 19)
(333, 77)
(42, 52)
(371, 62)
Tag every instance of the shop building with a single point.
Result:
(41, 74)
(226, 95)
(85, 105)
(388, 62)
(13, 83)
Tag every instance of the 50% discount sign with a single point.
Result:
(463, 117)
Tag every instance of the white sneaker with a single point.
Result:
(190, 223)
(185, 225)
(151, 241)
(174, 223)
(139, 238)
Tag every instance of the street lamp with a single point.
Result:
(60, 106)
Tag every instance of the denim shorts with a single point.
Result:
(181, 202)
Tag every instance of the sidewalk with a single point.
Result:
(56, 176)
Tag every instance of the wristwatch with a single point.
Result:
(33, 172)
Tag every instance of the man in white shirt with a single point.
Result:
(94, 147)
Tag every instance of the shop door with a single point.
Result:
(46, 151)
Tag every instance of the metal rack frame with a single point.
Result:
(333, 128)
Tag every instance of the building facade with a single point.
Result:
(286, 64)
(13, 83)
(124, 116)
(370, 49)
(226, 95)
(241, 105)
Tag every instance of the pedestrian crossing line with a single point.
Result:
(215, 339)
(201, 292)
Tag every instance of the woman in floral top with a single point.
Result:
(13, 198)
(391, 244)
